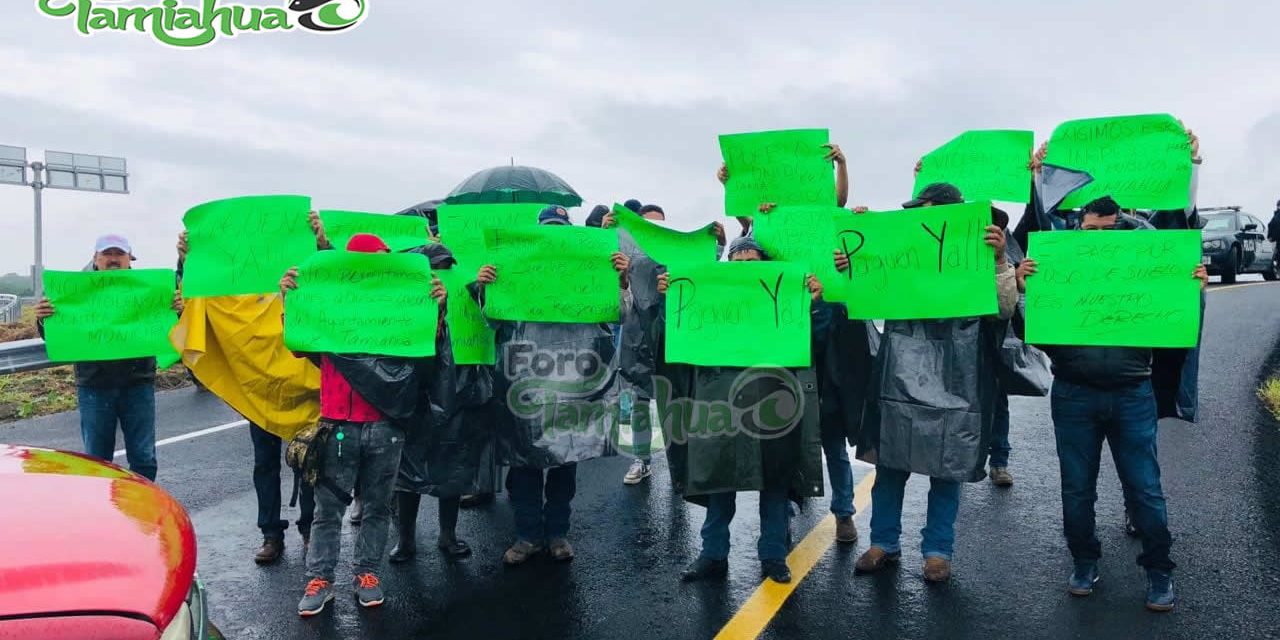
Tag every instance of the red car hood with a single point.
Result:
(83, 536)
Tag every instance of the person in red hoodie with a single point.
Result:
(363, 455)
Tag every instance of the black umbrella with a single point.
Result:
(515, 184)
(425, 210)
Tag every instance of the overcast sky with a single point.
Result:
(620, 99)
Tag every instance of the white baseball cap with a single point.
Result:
(113, 241)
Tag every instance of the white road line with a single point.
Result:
(194, 434)
(1237, 286)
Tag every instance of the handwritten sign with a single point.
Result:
(783, 167)
(1143, 162)
(1114, 288)
(804, 235)
(110, 315)
(739, 314)
(362, 303)
(917, 264)
(243, 245)
(399, 232)
(553, 273)
(667, 246)
(462, 226)
(984, 165)
(471, 337)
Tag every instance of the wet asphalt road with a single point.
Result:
(1221, 477)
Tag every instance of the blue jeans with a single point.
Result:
(366, 461)
(938, 537)
(775, 515)
(836, 452)
(133, 408)
(538, 521)
(999, 454)
(1126, 418)
(266, 483)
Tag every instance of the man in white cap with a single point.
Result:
(116, 392)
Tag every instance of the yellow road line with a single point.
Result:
(763, 605)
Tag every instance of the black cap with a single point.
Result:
(936, 193)
(596, 218)
(632, 204)
(1103, 206)
(746, 243)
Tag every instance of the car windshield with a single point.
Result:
(1217, 223)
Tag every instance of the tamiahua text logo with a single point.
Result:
(196, 23)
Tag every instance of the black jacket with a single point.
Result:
(1101, 367)
(1273, 227)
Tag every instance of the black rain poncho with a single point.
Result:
(709, 451)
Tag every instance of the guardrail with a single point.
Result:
(10, 308)
(23, 355)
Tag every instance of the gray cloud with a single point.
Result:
(623, 100)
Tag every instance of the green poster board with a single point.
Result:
(739, 314)
(462, 226)
(667, 246)
(553, 273)
(916, 264)
(1144, 162)
(110, 315)
(1114, 288)
(782, 167)
(399, 232)
(470, 335)
(243, 245)
(804, 235)
(362, 303)
(984, 165)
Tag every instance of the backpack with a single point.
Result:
(305, 455)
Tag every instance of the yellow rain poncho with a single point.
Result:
(235, 346)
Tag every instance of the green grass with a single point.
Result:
(1270, 395)
(37, 393)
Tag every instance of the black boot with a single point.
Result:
(407, 505)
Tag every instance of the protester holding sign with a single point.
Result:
(557, 380)
(449, 448)
(722, 439)
(650, 248)
(358, 414)
(234, 346)
(934, 400)
(1105, 393)
(115, 393)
